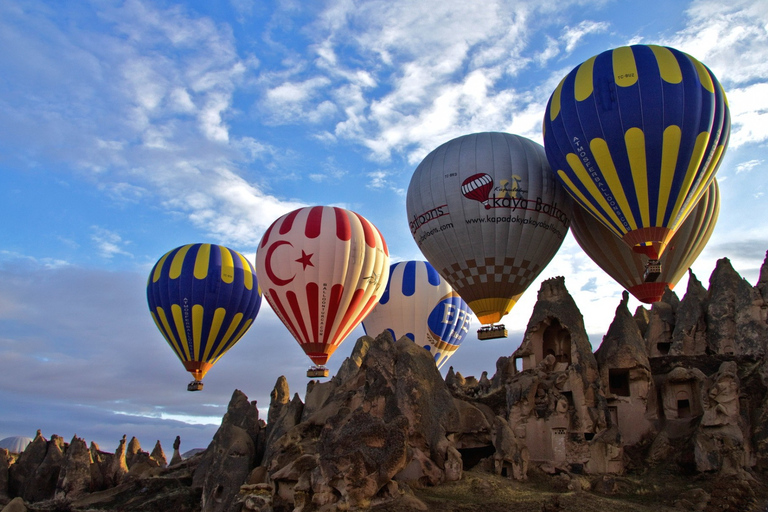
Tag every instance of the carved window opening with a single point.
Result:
(618, 381)
(663, 348)
(519, 364)
(613, 413)
(683, 409)
(556, 340)
(588, 436)
(568, 396)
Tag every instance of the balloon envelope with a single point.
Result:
(322, 270)
(203, 298)
(488, 214)
(422, 306)
(627, 267)
(636, 135)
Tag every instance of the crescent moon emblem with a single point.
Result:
(268, 264)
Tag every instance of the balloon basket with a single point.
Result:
(317, 371)
(652, 271)
(195, 385)
(492, 332)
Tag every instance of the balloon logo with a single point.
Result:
(203, 298)
(323, 270)
(489, 255)
(636, 135)
(422, 306)
(478, 187)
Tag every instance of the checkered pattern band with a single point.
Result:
(491, 278)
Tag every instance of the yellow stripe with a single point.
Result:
(169, 337)
(704, 77)
(197, 329)
(554, 105)
(202, 260)
(237, 337)
(160, 327)
(669, 68)
(227, 265)
(624, 66)
(690, 174)
(248, 273)
(178, 320)
(589, 206)
(605, 162)
(584, 178)
(159, 267)
(225, 340)
(722, 91)
(213, 333)
(178, 262)
(635, 141)
(583, 86)
(669, 150)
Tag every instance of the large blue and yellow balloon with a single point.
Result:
(420, 305)
(203, 298)
(636, 135)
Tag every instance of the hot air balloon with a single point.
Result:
(203, 298)
(322, 270)
(489, 255)
(626, 267)
(636, 135)
(421, 305)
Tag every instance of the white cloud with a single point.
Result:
(573, 35)
(109, 243)
(747, 166)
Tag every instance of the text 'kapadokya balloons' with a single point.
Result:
(203, 298)
(488, 213)
(626, 266)
(636, 135)
(421, 305)
(322, 269)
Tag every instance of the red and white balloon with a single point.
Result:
(322, 269)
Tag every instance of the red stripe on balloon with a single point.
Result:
(275, 302)
(383, 242)
(314, 222)
(343, 227)
(370, 238)
(333, 308)
(367, 309)
(288, 221)
(313, 300)
(266, 235)
(297, 314)
(356, 298)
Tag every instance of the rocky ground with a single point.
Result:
(658, 490)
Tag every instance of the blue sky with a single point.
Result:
(130, 128)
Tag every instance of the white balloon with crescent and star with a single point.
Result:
(322, 270)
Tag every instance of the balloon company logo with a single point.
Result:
(434, 213)
(479, 187)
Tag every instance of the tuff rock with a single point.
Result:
(682, 385)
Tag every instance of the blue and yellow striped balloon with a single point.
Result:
(636, 134)
(420, 305)
(203, 298)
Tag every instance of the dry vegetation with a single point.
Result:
(655, 491)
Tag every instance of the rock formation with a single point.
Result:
(683, 385)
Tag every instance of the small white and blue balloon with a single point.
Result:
(420, 304)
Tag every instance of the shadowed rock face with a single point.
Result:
(387, 412)
(231, 456)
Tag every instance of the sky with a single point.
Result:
(128, 128)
